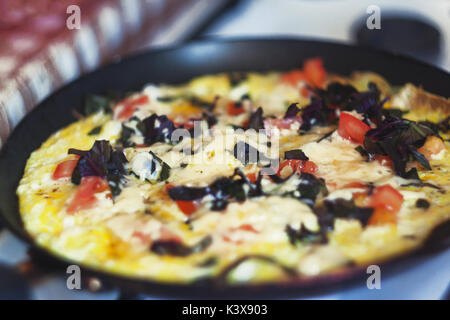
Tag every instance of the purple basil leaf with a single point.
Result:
(157, 129)
(292, 111)
(256, 120)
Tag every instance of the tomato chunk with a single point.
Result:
(64, 169)
(386, 197)
(169, 186)
(384, 160)
(246, 227)
(273, 123)
(252, 177)
(433, 145)
(188, 207)
(293, 77)
(352, 128)
(356, 185)
(299, 166)
(234, 109)
(130, 105)
(188, 124)
(85, 196)
(314, 71)
(382, 216)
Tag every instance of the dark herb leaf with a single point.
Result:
(212, 261)
(209, 106)
(317, 113)
(167, 99)
(309, 188)
(236, 78)
(361, 151)
(101, 161)
(157, 129)
(184, 193)
(420, 158)
(245, 96)
(292, 111)
(256, 120)
(393, 112)
(341, 208)
(210, 119)
(399, 139)
(223, 191)
(444, 125)
(246, 154)
(125, 136)
(297, 154)
(337, 94)
(412, 174)
(422, 203)
(304, 236)
(95, 131)
(325, 136)
(96, 103)
(346, 97)
(175, 248)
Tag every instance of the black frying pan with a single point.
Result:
(183, 63)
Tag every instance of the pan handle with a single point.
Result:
(198, 32)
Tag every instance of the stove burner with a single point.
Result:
(412, 36)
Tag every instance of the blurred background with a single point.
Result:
(42, 47)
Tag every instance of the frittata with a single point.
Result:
(243, 177)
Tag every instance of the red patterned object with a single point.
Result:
(38, 52)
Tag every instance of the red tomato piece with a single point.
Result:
(354, 185)
(309, 167)
(274, 123)
(169, 186)
(352, 128)
(85, 196)
(293, 77)
(386, 197)
(234, 109)
(384, 160)
(65, 169)
(130, 105)
(187, 207)
(247, 227)
(187, 124)
(252, 177)
(299, 166)
(382, 216)
(314, 71)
